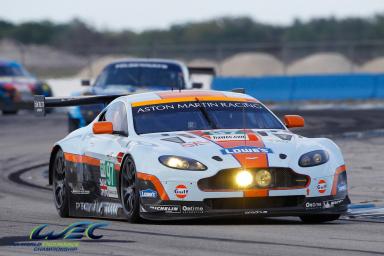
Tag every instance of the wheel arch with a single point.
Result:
(55, 149)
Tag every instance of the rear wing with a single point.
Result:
(41, 103)
(202, 71)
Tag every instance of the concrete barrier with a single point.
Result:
(315, 87)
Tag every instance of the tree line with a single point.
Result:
(78, 36)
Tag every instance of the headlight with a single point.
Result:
(182, 163)
(314, 158)
(244, 179)
(263, 178)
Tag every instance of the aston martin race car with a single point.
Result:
(193, 154)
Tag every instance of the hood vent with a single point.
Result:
(175, 140)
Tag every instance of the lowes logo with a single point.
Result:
(246, 150)
(148, 193)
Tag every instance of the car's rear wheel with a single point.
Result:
(60, 188)
(129, 191)
(319, 218)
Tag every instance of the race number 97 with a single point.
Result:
(107, 170)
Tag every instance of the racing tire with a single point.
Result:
(10, 112)
(73, 124)
(315, 219)
(59, 185)
(129, 191)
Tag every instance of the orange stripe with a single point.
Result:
(185, 99)
(256, 193)
(188, 93)
(81, 159)
(339, 170)
(156, 182)
(254, 160)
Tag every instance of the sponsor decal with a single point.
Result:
(99, 208)
(166, 208)
(341, 187)
(181, 191)
(142, 65)
(255, 212)
(108, 179)
(332, 203)
(80, 191)
(148, 193)
(322, 186)
(228, 137)
(192, 105)
(313, 205)
(246, 150)
(194, 144)
(103, 185)
(192, 209)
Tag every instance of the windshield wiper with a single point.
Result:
(206, 115)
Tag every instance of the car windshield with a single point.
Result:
(13, 71)
(142, 74)
(202, 115)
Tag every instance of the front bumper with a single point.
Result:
(193, 199)
(247, 207)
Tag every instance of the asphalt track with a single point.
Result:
(25, 142)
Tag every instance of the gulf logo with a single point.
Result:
(322, 186)
(181, 191)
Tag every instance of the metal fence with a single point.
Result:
(357, 53)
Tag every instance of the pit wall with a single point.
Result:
(308, 87)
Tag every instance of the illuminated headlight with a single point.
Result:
(263, 178)
(314, 158)
(182, 163)
(244, 179)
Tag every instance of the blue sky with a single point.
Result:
(143, 14)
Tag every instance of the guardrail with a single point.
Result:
(308, 87)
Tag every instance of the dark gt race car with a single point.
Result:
(192, 154)
(135, 76)
(17, 87)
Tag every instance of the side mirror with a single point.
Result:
(102, 128)
(85, 82)
(293, 121)
(197, 85)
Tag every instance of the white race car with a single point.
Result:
(192, 154)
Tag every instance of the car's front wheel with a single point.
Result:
(313, 219)
(129, 191)
(60, 188)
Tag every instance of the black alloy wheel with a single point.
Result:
(60, 188)
(129, 191)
